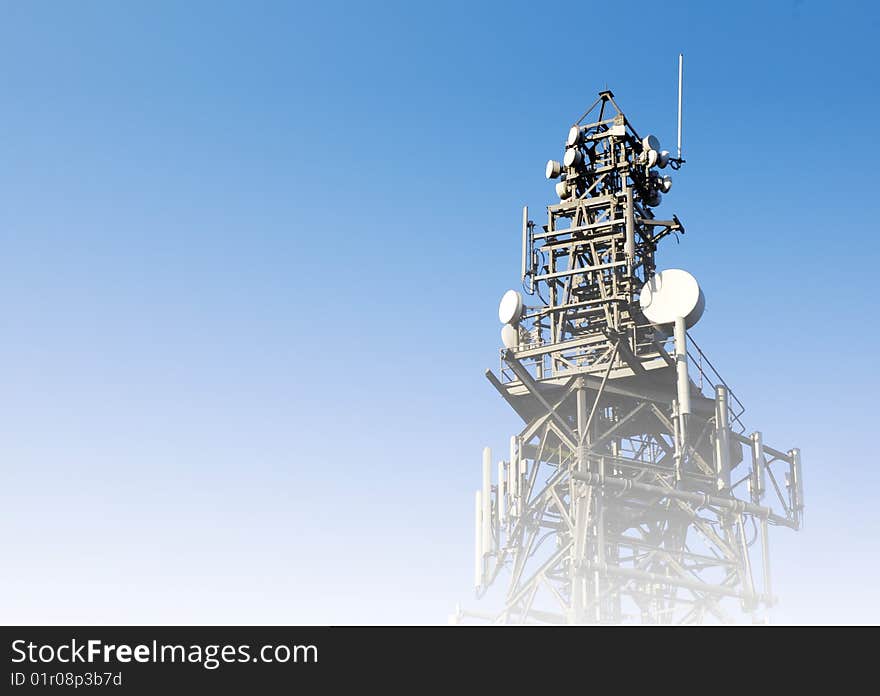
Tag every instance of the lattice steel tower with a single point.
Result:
(627, 495)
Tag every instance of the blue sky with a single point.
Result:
(250, 261)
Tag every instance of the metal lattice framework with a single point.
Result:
(616, 504)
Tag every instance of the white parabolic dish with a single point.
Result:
(671, 294)
(510, 309)
(509, 336)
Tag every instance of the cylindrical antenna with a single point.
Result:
(486, 515)
(501, 502)
(683, 381)
(478, 540)
(680, 67)
(796, 480)
(722, 438)
(759, 466)
(513, 476)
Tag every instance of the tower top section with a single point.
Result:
(585, 267)
(592, 151)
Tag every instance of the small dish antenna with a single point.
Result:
(510, 308)
(510, 336)
(573, 157)
(672, 294)
(650, 142)
(563, 190)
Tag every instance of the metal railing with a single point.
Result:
(698, 360)
(702, 372)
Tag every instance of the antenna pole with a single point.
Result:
(680, 65)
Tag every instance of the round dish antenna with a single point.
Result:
(650, 142)
(510, 308)
(573, 157)
(509, 336)
(672, 294)
(553, 169)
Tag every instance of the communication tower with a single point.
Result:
(633, 491)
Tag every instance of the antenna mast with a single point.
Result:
(633, 491)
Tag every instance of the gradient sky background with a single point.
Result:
(250, 263)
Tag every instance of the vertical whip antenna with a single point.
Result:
(680, 66)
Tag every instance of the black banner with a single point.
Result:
(240, 659)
